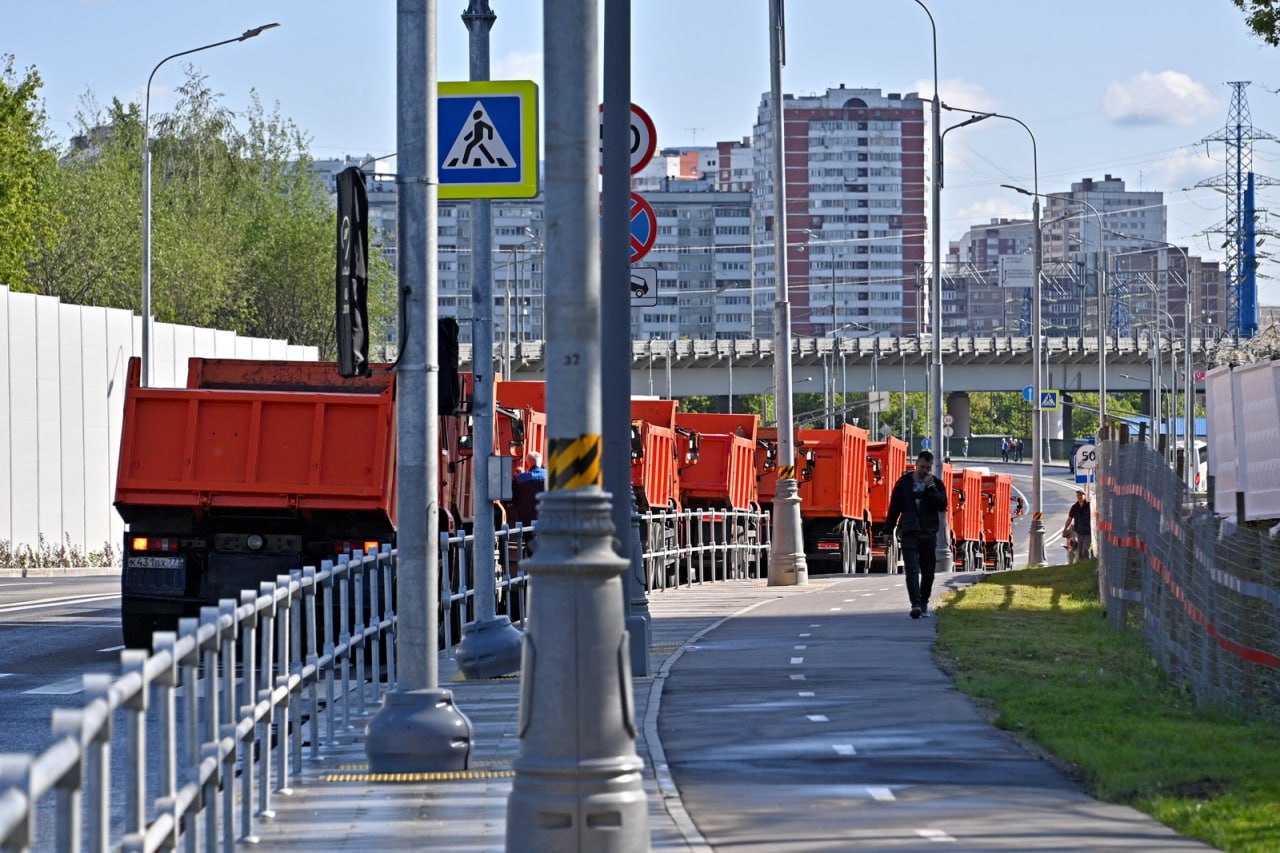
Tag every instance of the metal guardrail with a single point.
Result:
(230, 695)
(693, 546)
(233, 694)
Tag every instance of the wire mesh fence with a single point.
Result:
(1203, 591)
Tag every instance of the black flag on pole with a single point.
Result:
(353, 274)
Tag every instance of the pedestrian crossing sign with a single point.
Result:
(487, 139)
(1049, 401)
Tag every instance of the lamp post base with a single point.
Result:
(787, 565)
(488, 649)
(418, 731)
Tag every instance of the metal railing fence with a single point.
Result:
(691, 546)
(1204, 592)
(231, 696)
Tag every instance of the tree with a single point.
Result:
(242, 227)
(26, 216)
(1263, 17)
(93, 256)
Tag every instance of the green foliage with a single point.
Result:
(698, 404)
(93, 255)
(1033, 644)
(26, 215)
(1263, 17)
(242, 230)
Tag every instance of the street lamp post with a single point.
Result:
(1102, 296)
(787, 564)
(1035, 550)
(146, 193)
(1190, 458)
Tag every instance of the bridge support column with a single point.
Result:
(961, 422)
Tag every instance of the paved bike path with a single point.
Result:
(783, 719)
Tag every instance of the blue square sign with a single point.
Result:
(487, 139)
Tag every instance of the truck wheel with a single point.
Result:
(137, 628)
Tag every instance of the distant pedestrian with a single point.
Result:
(1004, 449)
(1017, 449)
(1079, 527)
(966, 446)
(526, 487)
(917, 499)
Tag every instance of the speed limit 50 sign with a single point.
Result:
(1086, 457)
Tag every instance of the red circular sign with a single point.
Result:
(644, 138)
(644, 227)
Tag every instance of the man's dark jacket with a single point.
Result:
(902, 507)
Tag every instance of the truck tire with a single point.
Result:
(136, 628)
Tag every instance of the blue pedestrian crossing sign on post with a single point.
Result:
(487, 139)
(1049, 401)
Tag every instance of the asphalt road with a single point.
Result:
(52, 631)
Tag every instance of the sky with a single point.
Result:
(1127, 88)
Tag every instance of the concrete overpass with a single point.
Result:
(705, 367)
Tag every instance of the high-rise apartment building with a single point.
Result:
(856, 217)
(1130, 219)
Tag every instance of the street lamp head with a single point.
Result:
(256, 31)
(1018, 189)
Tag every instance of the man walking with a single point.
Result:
(1079, 524)
(914, 504)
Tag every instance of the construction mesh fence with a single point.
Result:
(1204, 592)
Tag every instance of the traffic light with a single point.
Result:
(353, 274)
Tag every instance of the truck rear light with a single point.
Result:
(145, 543)
(346, 546)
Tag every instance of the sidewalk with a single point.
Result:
(778, 719)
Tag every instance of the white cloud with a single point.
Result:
(983, 212)
(958, 93)
(519, 65)
(1167, 97)
(1184, 167)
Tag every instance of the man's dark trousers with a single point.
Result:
(919, 562)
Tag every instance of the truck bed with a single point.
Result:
(222, 447)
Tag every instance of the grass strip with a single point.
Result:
(1032, 646)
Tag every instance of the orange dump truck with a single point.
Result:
(835, 517)
(254, 469)
(721, 480)
(886, 462)
(964, 518)
(998, 508)
(656, 463)
(520, 427)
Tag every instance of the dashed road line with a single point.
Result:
(797, 661)
(936, 835)
(817, 718)
(65, 687)
(844, 749)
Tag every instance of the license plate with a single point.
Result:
(828, 546)
(158, 562)
(163, 575)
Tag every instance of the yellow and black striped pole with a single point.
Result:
(574, 463)
(577, 785)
